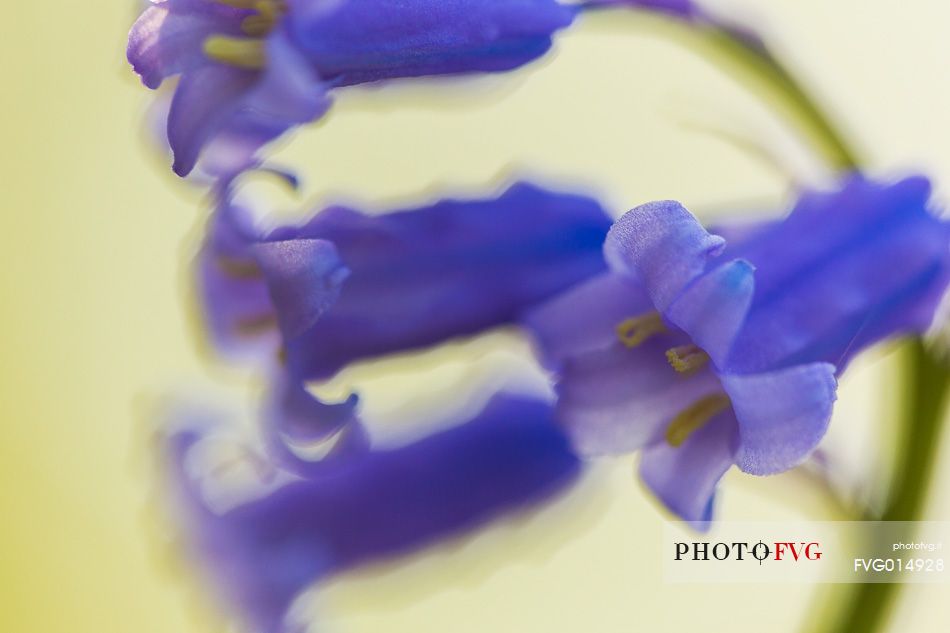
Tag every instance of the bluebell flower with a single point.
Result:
(252, 69)
(260, 554)
(346, 286)
(240, 277)
(704, 355)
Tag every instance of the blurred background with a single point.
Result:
(97, 236)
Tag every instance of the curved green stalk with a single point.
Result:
(755, 61)
(925, 388)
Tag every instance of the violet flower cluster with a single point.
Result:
(699, 349)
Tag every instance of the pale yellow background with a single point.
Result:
(96, 236)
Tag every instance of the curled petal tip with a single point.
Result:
(304, 278)
(783, 415)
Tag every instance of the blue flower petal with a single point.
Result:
(204, 101)
(168, 37)
(300, 417)
(685, 477)
(241, 110)
(306, 436)
(663, 246)
(585, 318)
(844, 270)
(782, 415)
(713, 309)
(304, 278)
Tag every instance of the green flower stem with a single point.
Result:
(758, 65)
(925, 388)
(926, 377)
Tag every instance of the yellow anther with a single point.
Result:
(240, 52)
(635, 331)
(257, 25)
(255, 325)
(686, 359)
(271, 9)
(695, 417)
(239, 4)
(239, 268)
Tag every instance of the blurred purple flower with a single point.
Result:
(346, 286)
(261, 554)
(252, 69)
(729, 355)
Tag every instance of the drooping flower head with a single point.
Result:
(307, 300)
(263, 551)
(706, 355)
(346, 286)
(252, 69)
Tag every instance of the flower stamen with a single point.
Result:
(271, 9)
(695, 417)
(238, 4)
(255, 325)
(236, 51)
(241, 52)
(633, 332)
(257, 25)
(239, 268)
(687, 359)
